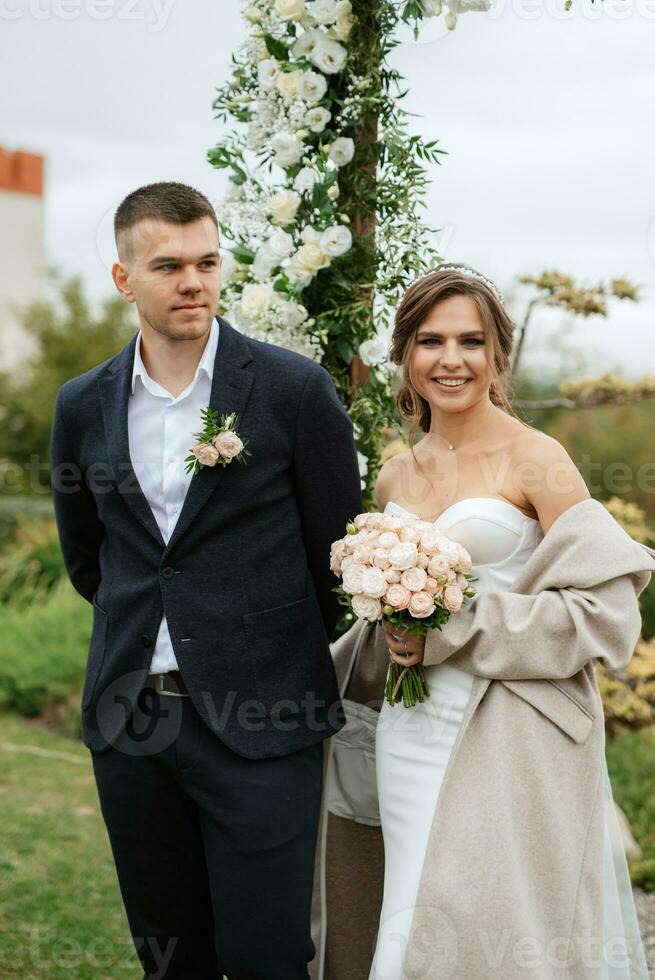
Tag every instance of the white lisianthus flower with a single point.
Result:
(256, 299)
(312, 87)
(336, 241)
(283, 207)
(305, 180)
(268, 73)
(264, 263)
(317, 119)
(310, 259)
(290, 9)
(329, 56)
(287, 84)
(306, 44)
(293, 314)
(310, 235)
(323, 11)
(342, 151)
(288, 150)
(280, 244)
(373, 351)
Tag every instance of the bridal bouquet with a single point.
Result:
(407, 571)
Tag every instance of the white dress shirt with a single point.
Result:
(161, 430)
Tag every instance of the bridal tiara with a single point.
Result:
(466, 272)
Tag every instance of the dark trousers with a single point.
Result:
(214, 852)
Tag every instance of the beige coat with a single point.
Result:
(511, 886)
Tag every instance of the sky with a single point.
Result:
(546, 117)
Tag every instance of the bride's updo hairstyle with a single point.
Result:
(420, 298)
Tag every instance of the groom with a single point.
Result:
(209, 686)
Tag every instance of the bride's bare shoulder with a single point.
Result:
(395, 473)
(546, 474)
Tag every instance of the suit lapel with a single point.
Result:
(231, 386)
(114, 390)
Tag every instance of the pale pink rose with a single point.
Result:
(391, 523)
(462, 581)
(335, 565)
(431, 586)
(464, 564)
(373, 583)
(366, 607)
(392, 576)
(352, 577)
(346, 562)
(410, 533)
(228, 444)
(388, 540)
(398, 597)
(360, 521)
(381, 558)
(375, 521)
(451, 576)
(206, 454)
(422, 561)
(438, 566)
(423, 526)
(450, 550)
(350, 544)
(414, 579)
(403, 556)
(452, 597)
(363, 555)
(421, 605)
(430, 541)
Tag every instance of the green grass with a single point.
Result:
(43, 651)
(61, 914)
(631, 764)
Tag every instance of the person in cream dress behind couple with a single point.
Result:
(498, 827)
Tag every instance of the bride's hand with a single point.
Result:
(413, 645)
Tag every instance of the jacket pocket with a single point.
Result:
(574, 715)
(289, 654)
(97, 646)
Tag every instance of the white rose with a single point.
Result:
(310, 259)
(403, 556)
(290, 9)
(398, 597)
(307, 43)
(252, 14)
(305, 180)
(288, 150)
(336, 241)
(344, 19)
(310, 236)
(329, 56)
(297, 276)
(374, 583)
(280, 244)
(317, 119)
(352, 578)
(452, 598)
(268, 72)
(323, 11)
(414, 579)
(312, 87)
(256, 299)
(342, 151)
(228, 444)
(366, 607)
(421, 605)
(372, 352)
(287, 84)
(283, 207)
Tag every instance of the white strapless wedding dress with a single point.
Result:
(412, 748)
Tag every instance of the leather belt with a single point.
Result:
(171, 683)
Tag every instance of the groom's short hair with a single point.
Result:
(167, 200)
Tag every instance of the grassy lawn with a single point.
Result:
(61, 914)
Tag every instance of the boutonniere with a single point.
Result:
(218, 443)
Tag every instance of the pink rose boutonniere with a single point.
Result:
(218, 443)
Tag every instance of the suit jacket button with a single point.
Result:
(168, 572)
(146, 641)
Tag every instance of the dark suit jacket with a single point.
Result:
(244, 579)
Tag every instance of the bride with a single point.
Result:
(497, 485)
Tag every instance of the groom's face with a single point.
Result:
(173, 274)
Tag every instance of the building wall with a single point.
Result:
(22, 258)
